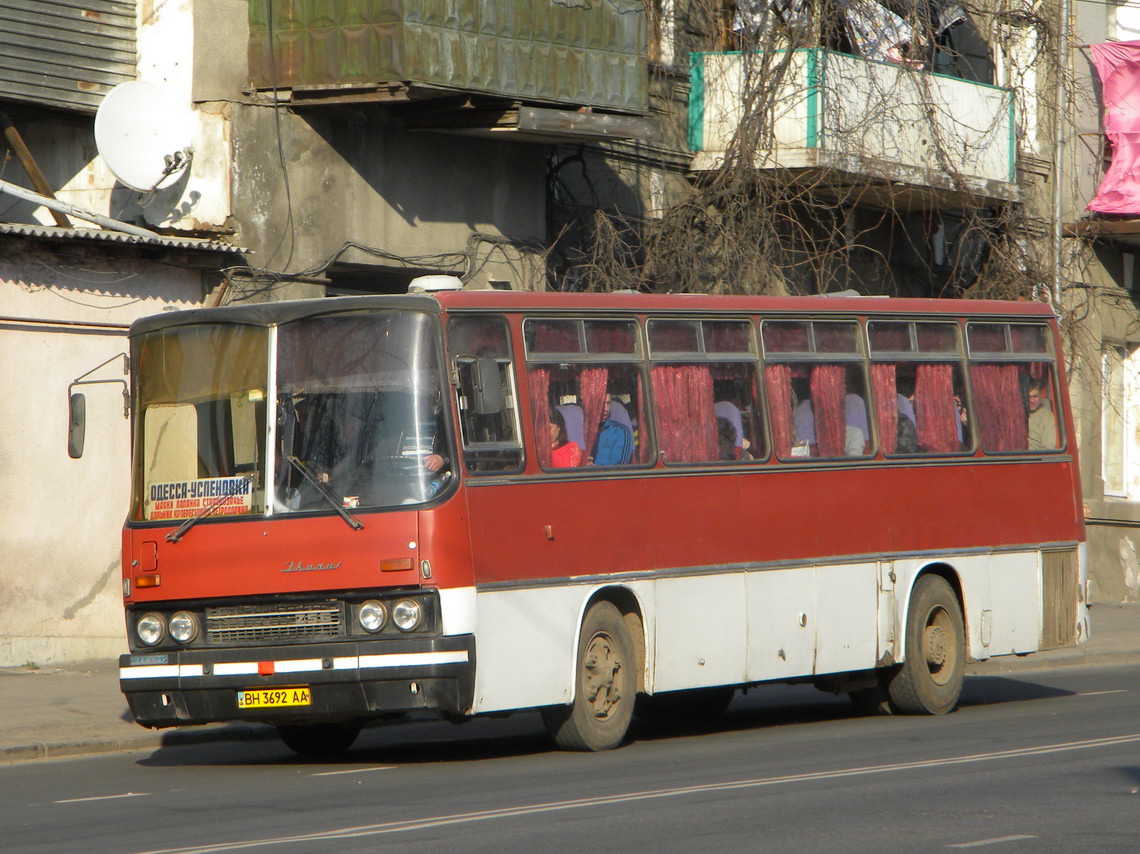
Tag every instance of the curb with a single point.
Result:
(1034, 662)
(145, 740)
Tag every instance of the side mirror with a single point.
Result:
(77, 425)
(488, 387)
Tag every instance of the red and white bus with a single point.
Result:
(482, 501)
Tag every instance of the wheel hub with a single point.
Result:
(601, 665)
(937, 646)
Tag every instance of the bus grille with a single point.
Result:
(274, 623)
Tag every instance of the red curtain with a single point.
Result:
(686, 421)
(828, 393)
(538, 380)
(592, 398)
(886, 405)
(778, 381)
(999, 410)
(934, 409)
(642, 434)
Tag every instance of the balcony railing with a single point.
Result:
(906, 135)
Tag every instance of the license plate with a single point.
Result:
(274, 698)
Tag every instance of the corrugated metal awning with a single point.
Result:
(63, 53)
(99, 235)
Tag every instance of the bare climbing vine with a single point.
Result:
(753, 224)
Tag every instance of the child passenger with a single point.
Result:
(564, 454)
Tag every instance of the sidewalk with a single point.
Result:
(66, 711)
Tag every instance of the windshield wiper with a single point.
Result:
(325, 493)
(176, 535)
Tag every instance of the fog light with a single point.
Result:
(372, 616)
(407, 614)
(151, 628)
(183, 627)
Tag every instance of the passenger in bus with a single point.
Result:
(575, 421)
(803, 420)
(614, 445)
(563, 453)
(728, 411)
(857, 436)
(963, 419)
(725, 440)
(906, 433)
(1042, 424)
(855, 427)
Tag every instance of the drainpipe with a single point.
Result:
(64, 207)
(1059, 155)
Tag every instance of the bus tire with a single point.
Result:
(930, 679)
(605, 685)
(324, 739)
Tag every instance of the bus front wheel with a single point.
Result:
(605, 686)
(930, 679)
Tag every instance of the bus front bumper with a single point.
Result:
(344, 680)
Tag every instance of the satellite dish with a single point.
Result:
(143, 135)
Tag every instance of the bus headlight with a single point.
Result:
(408, 615)
(151, 628)
(372, 615)
(183, 626)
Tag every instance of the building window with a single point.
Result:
(1119, 451)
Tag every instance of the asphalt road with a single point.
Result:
(1043, 761)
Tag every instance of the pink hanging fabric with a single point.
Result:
(686, 422)
(886, 405)
(999, 410)
(1118, 65)
(828, 390)
(538, 380)
(935, 412)
(778, 379)
(592, 397)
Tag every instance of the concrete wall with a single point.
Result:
(355, 175)
(62, 313)
(1102, 311)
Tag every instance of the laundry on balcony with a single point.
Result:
(1118, 65)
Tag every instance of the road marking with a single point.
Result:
(353, 771)
(995, 841)
(653, 794)
(1099, 693)
(103, 798)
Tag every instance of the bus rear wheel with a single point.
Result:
(325, 739)
(605, 686)
(930, 679)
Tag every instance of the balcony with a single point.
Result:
(868, 132)
(497, 68)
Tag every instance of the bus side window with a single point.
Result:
(479, 348)
(596, 406)
(707, 412)
(929, 413)
(818, 410)
(1015, 406)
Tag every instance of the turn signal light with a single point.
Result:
(395, 564)
(151, 580)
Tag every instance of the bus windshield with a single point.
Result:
(356, 415)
